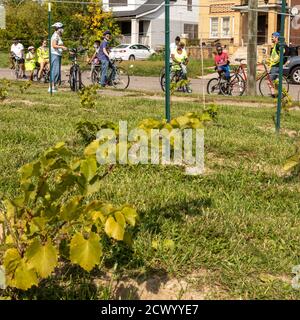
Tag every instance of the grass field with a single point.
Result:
(4, 63)
(238, 224)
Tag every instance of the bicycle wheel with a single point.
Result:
(121, 80)
(234, 87)
(213, 86)
(95, 76)
(72, 79)
(17, 71)
(266, 85)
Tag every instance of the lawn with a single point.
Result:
(235, 229)
(4, 63)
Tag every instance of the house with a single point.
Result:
(227, 21)
(143, 21)
(294, 27)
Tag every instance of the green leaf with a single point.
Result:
(70, 210)
(11, 260)
(183, 121)
(85, 252)
(43, 258)
(24, 277)
(91, 149)
(120, 219)
(113, 229)
(92, 188)
(30, 170)
(130, 215)
(88, 168)
(292, 162)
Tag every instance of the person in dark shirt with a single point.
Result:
(103, 56)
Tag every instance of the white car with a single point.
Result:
(131, 52)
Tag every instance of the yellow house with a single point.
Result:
(227, 21)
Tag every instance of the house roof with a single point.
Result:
(147, 7)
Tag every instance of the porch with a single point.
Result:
(135, 31)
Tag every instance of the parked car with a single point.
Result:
(291, 68)
(132, 52)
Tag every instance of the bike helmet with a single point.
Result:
(106, 32)
(30, 48)
(57, 25)
(276, 34)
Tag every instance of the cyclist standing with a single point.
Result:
(57, 47)
(43, 57)
(17, 53)
(30, 61)
(103, 56)
(222, 62)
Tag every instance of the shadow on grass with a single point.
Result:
(176, 210)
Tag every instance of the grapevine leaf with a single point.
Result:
(43, 258)
(88, 168)
(70, 210)
(120, 219)
(114, 229)
(85, 252)
(24, 277)
(291, 162)
(11, 260)
(91, 149)
(130, 215)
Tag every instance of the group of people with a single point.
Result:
(178, 57)
(30, 60)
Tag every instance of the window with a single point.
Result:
(214, 24)
(118, 3)
(189, 5)
(191, 30)
(226, 27)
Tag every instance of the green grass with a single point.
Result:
(239, 221)
(4, 62)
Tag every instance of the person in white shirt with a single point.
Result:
(173, 46)
(17, 53)
(57, 47)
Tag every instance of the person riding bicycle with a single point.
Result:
(222, 62)
(57, 47)
(17, 53)
(103, 56)
(179, 62)
(173, 47)
(30, 61)
(42, 58)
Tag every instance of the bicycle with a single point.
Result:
(177, 80)
(234, 86)
(17, 71)
(75, 79)
(121, 78)
(265, 84)
(45, 76)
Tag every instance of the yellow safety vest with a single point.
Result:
(42, 54)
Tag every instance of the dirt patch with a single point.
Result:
(161, 287)
(26, 102)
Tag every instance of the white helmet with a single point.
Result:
(30, 48)
(57, 25)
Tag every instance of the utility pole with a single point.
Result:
(281, 39)
(167, 60)
(252, 47)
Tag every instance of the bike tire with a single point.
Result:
(264, 88)
(213, 86)
(95, 76)
(122, 79)
(163, 81)
(235, 87)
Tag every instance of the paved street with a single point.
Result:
(152, 83)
